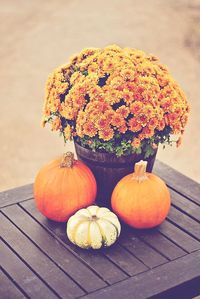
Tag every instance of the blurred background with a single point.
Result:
(37, 36)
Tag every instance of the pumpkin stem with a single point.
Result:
(140, 171)
(67, 160)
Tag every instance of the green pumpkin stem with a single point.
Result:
(67, 160)
(140, 171)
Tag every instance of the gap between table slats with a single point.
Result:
(39, 262)
(186, 223)
(28, 281)
(182, 273)
(15, 195)
(96, 259)
(185, 206)
(29, 206)
(64, 259)
(9, 289)
(178, 182)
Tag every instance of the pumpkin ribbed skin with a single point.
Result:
(143, 204)
(93, 227)
(60, 191)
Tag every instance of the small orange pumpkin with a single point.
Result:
(64, 186)
(141, 199)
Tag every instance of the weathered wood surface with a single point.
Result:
(38, 261)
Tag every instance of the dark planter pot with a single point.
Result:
(109, 169)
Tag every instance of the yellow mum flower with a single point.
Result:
(61, 87)
(127, 74)
(67, 132)
(75, 77)
(93, 67)
(67, 112)
(56, 124)
(79, 130)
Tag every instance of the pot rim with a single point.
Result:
(109, 158)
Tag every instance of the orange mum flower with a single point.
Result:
(153, 122)
(123, 129)
(109, 114)
(136, 143)
(123, 111)
(172, 117)
(106, 134)
(148, 133)
(127, 96)
(94, 91)
(166, 104)
(176, 128)
(89, 129)
(102, 106)
(117, 120)
(79, 102)
(142, 119)
(136, 107)
(103, 122)
(161, 124)
(134, 125)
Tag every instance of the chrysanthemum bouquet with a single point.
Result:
(115, 100)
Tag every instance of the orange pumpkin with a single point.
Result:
(64, 186)
(141, 199)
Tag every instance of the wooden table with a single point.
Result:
(38, 261)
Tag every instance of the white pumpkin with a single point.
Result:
(93, 227)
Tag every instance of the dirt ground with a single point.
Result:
(36, 36)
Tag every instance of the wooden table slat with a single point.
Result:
(156, 281)
(15, 195)
(27, 280)
(178, 181)
(38, 260)
(186, 223)
(95, 259)
(8, 289)
(158, 241)
(185, 205)
(54, 277)
(125, 260)
(179, 237)
(150, 257)
(85, 277)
